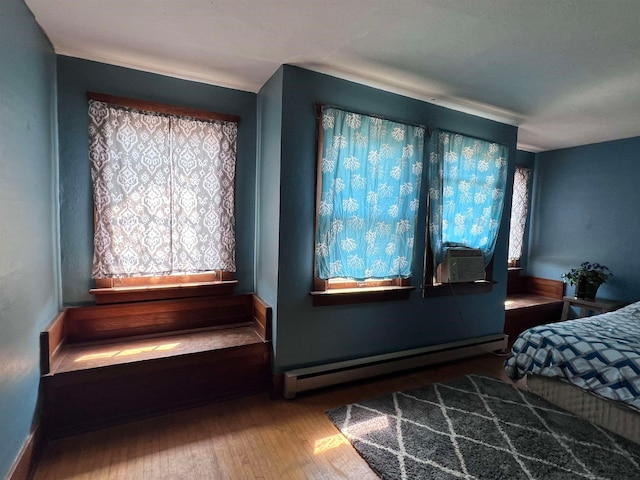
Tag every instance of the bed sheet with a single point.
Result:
(600, 354)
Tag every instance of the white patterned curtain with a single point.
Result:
(467, 179)
(371, 174)
(519, 209)
(163, 190)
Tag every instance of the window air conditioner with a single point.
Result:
(462, 264)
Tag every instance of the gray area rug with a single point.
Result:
(481, 427)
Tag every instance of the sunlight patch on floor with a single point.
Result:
(126, 353)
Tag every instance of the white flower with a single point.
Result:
(351, 163)
(386, 151)
(370, 236)
(399, 263)
(416, 168)
(448, 191)
(356, 222)
(393, 211)
(338, 185)
(340, 141)
(385, 190)
(361, 140)
(335, 268)
(355, 262)
(348, 245)
(398, 133)
(358, 182)
(390, 248)
(407, 151)
(480, 198)
(353, 120)
(322, 250)
(328, 121)
(383, 228)
(406, 188)
(350, 204)
(325, 208)
(372, 197)
(396, 172)
(403, 226)
(336, 226)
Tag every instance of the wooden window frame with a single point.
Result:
(430, 288)
(347, 291)
(142, 288)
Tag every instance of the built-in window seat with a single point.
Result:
(106, 364)
(531, 301)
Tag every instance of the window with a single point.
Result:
(163, 186)
(369, 175)
(519, 209)
(467, 179)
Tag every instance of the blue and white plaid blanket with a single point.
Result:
(600, 354)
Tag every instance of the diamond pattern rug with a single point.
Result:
(481, 427)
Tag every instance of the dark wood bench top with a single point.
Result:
(526, 300)
(94, 355)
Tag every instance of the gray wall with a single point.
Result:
(29, 279)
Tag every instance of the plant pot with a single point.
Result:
(586, 290)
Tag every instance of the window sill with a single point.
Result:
(162, 292)
(345, 296)
(450, 289)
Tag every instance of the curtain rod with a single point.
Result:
(318, 106)
(471, 136)
(162, 108)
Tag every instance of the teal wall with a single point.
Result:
(587, 208)
(311, 335)
(268, 220)
(29, 278)
(75, 78)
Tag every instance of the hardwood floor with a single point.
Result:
(249, 438)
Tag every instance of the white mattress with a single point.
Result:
(613, 416)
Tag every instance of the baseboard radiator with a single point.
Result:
(340, 372)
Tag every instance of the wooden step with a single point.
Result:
(531, 301)
(90, 356)
(94, 377)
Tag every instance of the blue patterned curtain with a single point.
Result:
(467, 179)
(371, 172)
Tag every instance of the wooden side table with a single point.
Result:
(595, 306)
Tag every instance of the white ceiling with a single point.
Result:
(567, 72)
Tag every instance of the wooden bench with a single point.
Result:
(106, 364)
(531, 301)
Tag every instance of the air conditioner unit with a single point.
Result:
(462, 264)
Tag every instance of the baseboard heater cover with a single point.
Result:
(340, 372)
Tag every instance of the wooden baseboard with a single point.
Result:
(25, 462)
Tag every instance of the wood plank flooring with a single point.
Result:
(250, 438)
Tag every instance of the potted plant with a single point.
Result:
(587, 279)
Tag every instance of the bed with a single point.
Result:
(590, 366)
